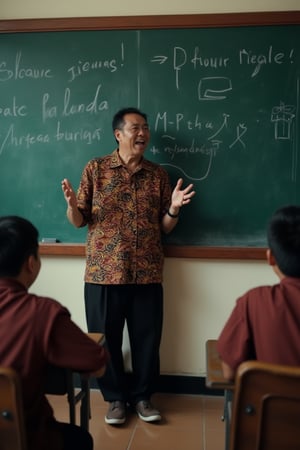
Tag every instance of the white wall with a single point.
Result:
(199, 294)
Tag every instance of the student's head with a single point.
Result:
(18, 242)
(284, 239)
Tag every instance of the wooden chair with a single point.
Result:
(266, 408)
(12, 429)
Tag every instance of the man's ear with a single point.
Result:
(270, 258)
(33, 267)
(117, 134)
(30, 263)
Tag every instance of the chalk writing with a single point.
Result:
(70, 109)
(223, 109)
(13, 109)
(247, 56)
(83, 67)
(23, 141)
(12, 139)
(187, 175)
(81, 135)
(163, 121)
(20, 71)
(199, 60)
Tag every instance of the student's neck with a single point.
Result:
(22, 280)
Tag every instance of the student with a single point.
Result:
(265, 323)
(127, 203)
(36, 331)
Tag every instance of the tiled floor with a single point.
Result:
(189, 423)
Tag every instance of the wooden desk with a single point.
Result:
(99, 338)
(61, 381)
(215, 380)
(214, 374)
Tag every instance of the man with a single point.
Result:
(265, 323)
(126, 202)
(35, 332)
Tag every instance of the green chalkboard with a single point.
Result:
(222, 102)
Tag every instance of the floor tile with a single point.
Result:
(190, 422)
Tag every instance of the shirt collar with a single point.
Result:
(6, 282)
(290, 280)
(116, 161)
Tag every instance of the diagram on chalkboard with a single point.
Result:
(214, 88)
(283, 116)
(188, 176)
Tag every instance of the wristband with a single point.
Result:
(174, 216)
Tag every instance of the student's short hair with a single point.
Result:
(284, 239)
(18, 240)
(118, 119)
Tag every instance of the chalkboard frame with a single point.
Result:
(156, 22)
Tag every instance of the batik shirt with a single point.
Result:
(123, 211)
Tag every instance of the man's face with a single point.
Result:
(134, 136)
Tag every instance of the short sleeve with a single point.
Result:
(234, 343)
(70, 347)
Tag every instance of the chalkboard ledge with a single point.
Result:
(247, 253)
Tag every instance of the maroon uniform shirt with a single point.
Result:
(34, 332)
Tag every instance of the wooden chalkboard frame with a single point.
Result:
(156, 22)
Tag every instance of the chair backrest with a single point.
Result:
(266, 407)
(12, 429)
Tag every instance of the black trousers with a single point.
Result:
(108, 307)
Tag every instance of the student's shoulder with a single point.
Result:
(48, 305)
(257, 294)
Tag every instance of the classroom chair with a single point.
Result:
(266, 407)
(62, 382)
(12, 428)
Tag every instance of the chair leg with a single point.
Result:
(71, 397)
(227, 415)
(83, 396)
(85, 410)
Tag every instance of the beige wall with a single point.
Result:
(16, 9)
(198, 298)
(199, 294)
